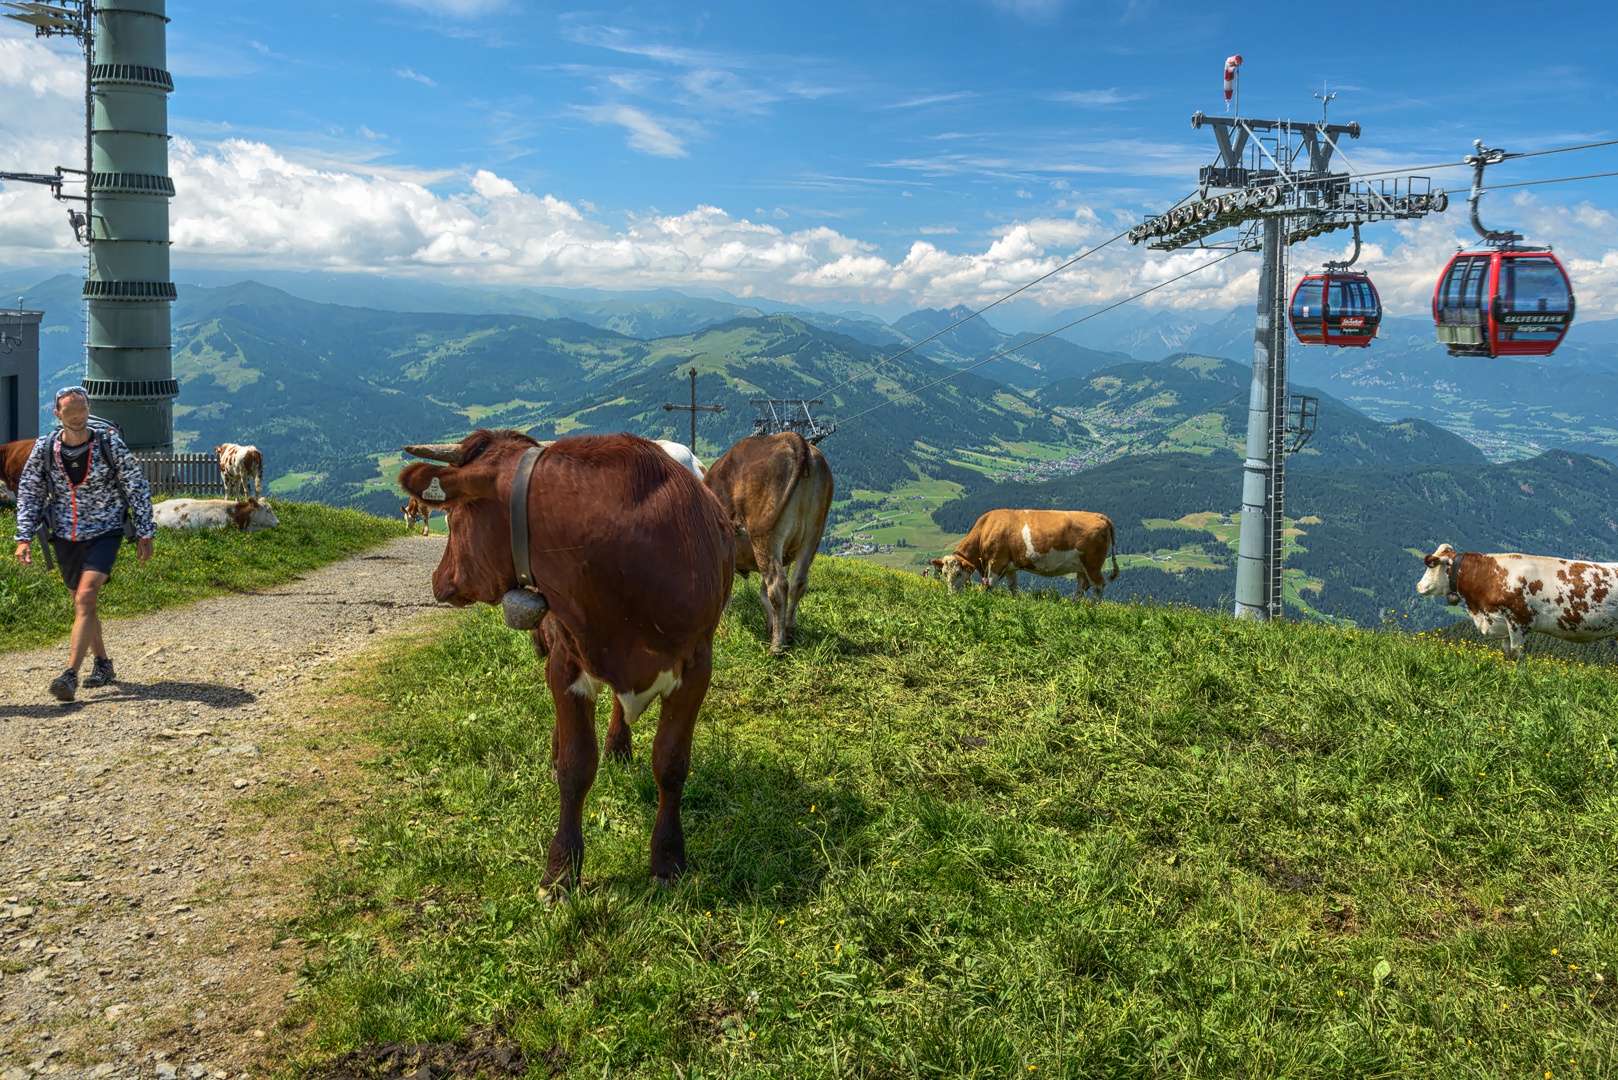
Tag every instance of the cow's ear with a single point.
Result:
(439, 484)
(938, 564)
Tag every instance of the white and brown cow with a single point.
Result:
(418, 512)
(1049, 543)
(242, 468)
(685, 456)
(1510, 595)
(776, 490)
(248, 515)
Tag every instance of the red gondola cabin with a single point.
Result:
(1503, 303)
(1336, 309)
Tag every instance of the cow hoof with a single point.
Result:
(551, 895)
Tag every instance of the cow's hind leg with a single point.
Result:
(1097, 582)
(576, 760)
(775, 592)
(620, 745)
(799, 586)
(671, 763)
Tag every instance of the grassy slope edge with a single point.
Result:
(36, 609)
(977, 836)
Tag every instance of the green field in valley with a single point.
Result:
(982, 836)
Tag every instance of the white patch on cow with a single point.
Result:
(434, 492)
(586, 686)
(635, 703)
(1056, 563)
(1028, 541)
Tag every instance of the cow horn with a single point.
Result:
(447, 452)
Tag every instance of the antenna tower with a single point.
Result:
(1273, 184)
(129, 368)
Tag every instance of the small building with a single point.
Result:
(19, 373)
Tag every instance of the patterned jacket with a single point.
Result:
(94, 508)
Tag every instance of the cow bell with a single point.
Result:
(523, 608)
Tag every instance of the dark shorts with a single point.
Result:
(74, 557)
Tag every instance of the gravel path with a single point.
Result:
(138, 910)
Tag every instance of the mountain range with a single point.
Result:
(1143, 416)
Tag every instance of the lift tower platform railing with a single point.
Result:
(1273, 183)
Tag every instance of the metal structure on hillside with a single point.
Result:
(776, 415)
(129, 368)
(693, 409)
(1274, 183)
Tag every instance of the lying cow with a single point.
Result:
(248, 515)
(1049, 543)
(242, 468)
(634, 560)
(416, 511)
(1510, 595)
(776, 490)
(685, 456)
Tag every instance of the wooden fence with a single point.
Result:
(173, 474)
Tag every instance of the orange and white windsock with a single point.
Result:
(1231, 64)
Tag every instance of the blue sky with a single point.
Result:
(829, 152)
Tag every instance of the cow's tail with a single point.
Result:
(800, 467)
(1112, 541)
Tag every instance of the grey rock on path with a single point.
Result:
(137, 912)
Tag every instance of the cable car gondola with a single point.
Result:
(1337, 307)
(1509, 301)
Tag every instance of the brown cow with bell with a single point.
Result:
(628, 560)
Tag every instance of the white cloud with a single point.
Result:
(459, 8)
(415, 76)
(1034, 10)
(248, 204)
(1110, 96)
(646, 133)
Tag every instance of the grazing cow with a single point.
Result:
(13, 456)
(634, 560)
(776, 490)
(241, 467)
(415, 510)
(1510, 595)
(248, 515)
(685, 456)
(1049, 543)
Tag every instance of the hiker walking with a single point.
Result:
(84, 492)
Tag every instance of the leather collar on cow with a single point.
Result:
(1454, 596)
(519, 515)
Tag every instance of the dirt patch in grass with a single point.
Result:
(481, 1052)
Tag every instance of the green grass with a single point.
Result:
(982, 836)
(35, 608)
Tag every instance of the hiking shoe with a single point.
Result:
(101, 675)
(65, 685)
